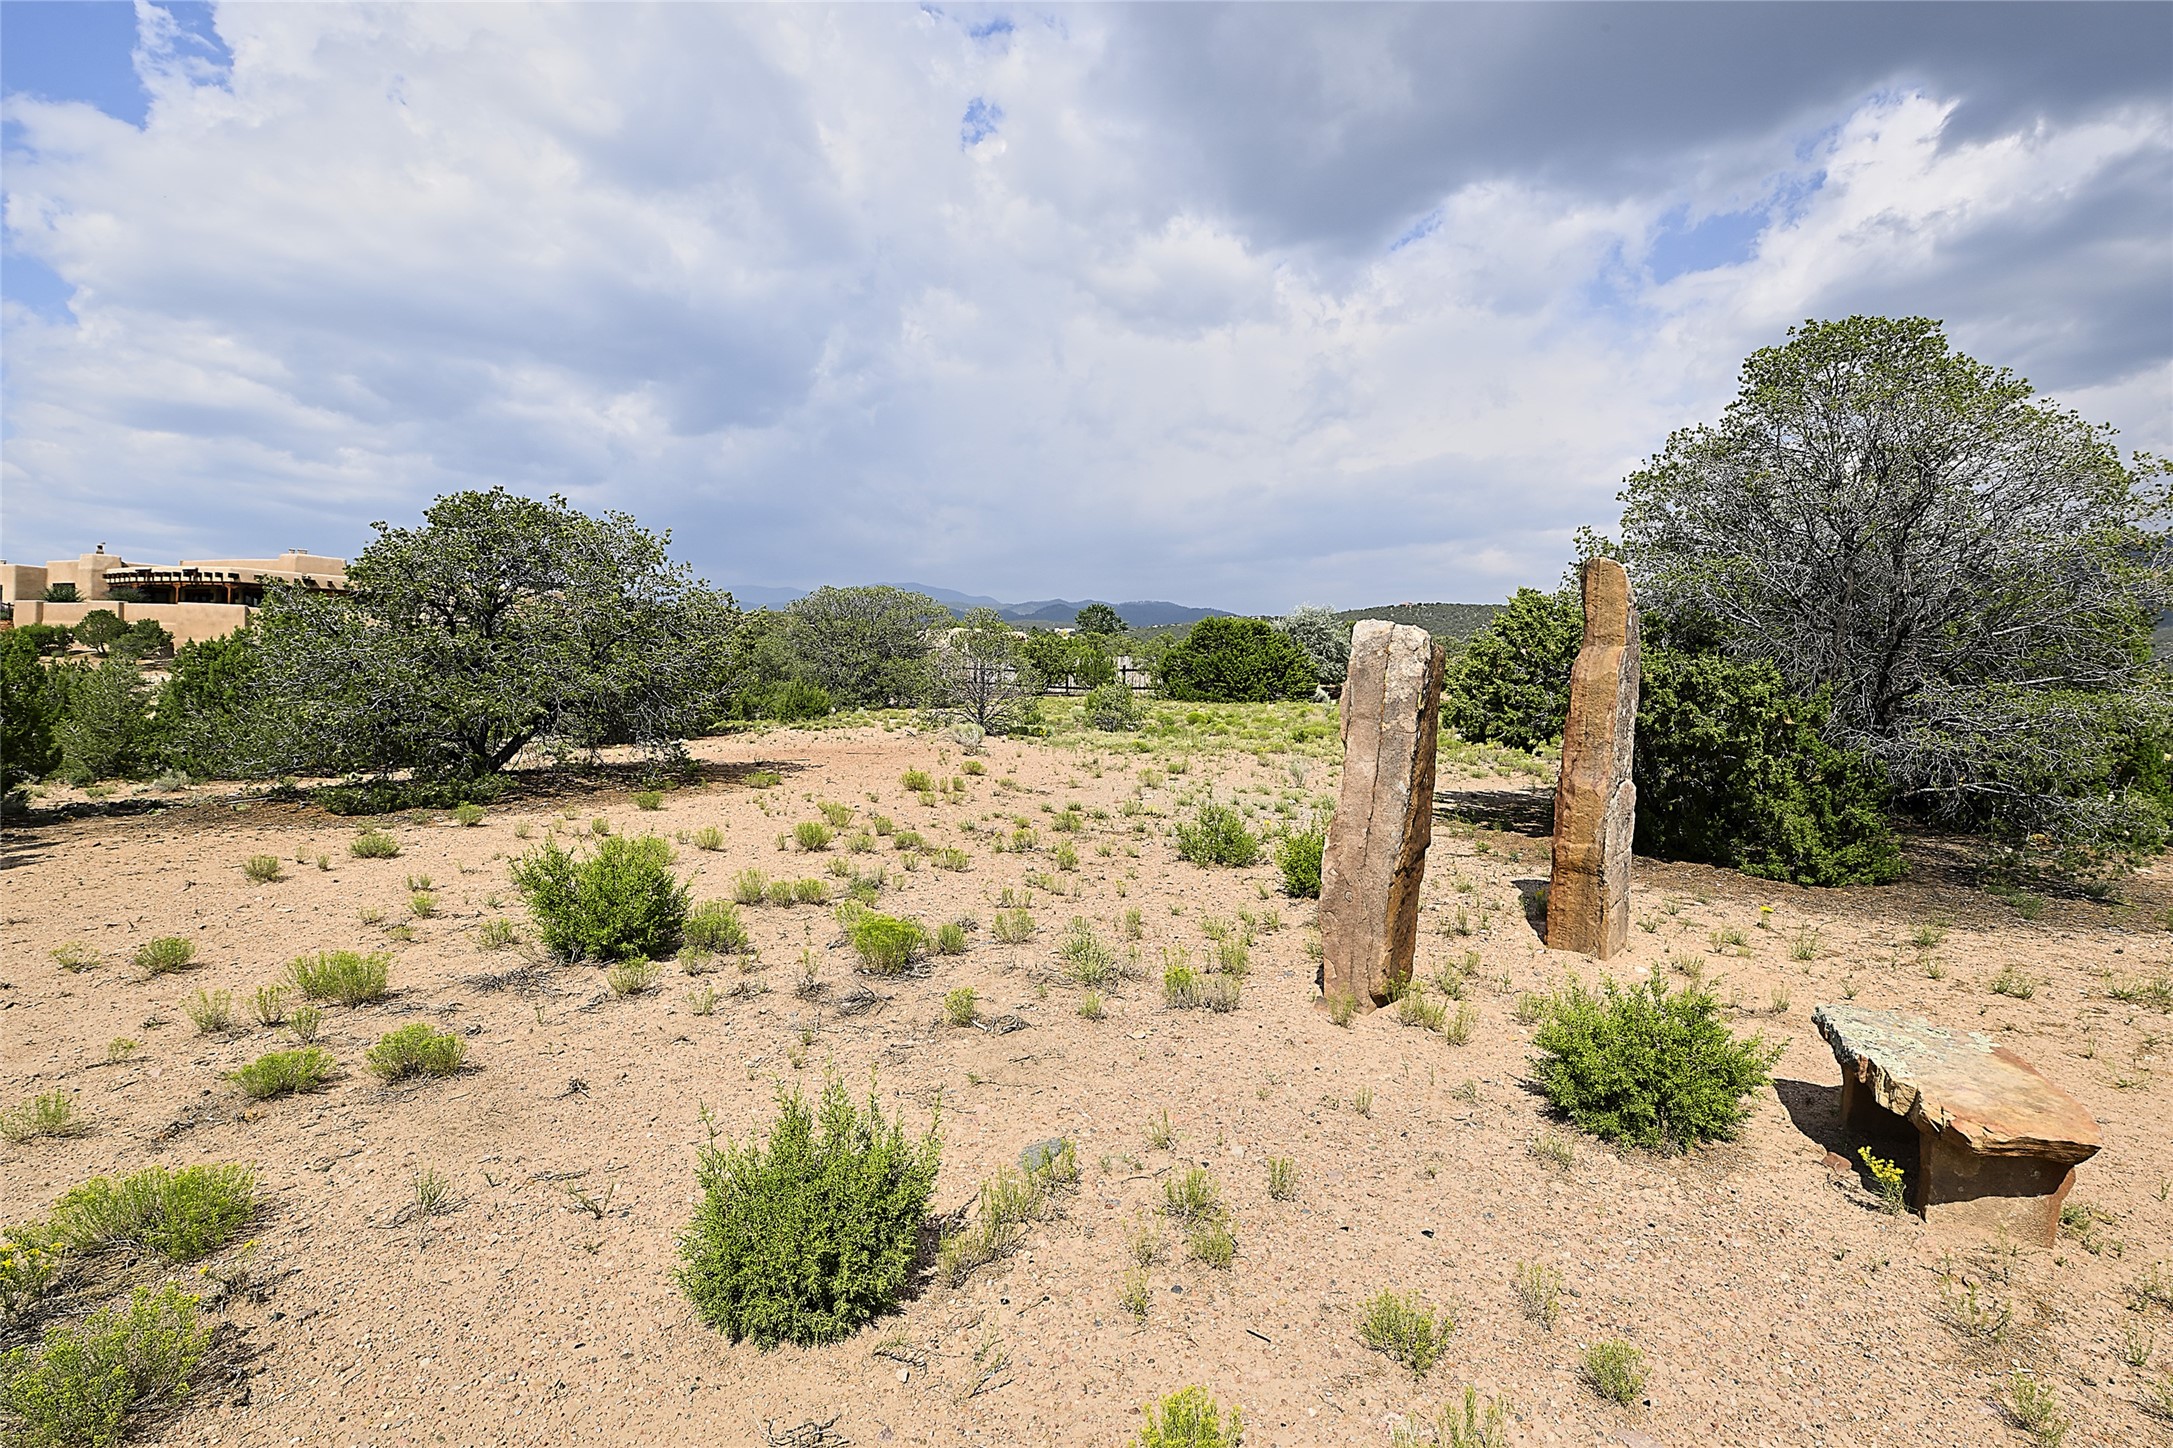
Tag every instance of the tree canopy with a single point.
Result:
(1968, 572)
(1099, 618)
(502, 622)
(867, 646)
(1236, 661)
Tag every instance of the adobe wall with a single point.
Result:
(189, 623)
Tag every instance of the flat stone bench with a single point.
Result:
(1998, 1143)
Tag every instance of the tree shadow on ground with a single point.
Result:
(1527, 812)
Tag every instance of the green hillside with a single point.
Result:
(1458, 621)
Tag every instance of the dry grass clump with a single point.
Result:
(346, 976)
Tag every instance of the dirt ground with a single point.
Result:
(1773, 1302)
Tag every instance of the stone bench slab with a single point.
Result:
(1998, 1141)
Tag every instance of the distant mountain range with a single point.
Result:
(1444, 620)
(1053, 612)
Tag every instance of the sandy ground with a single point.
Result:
(1774, 1303)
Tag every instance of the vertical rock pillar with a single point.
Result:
(1375, 858)
(1595, 804)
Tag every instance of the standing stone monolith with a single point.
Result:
(1375, 857)
(1595, 804)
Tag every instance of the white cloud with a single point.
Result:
(739, 271)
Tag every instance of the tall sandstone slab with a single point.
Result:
(1595, 804)
(1375, 858)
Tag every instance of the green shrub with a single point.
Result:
(373, 845)
(346, 976)
(1189, 1418)
(277, 1073)
(630, 977)
(950, 938)
(788, 701)
(1111, 708)
(648, 799)
(179, 1215)
(1217, 836)
(1406, 1330)
(808, 1237)
(962, 1007)
(415, 1050)
(262, 869)
(1642, 1065)
(716, 929)
(81, 1386)
(1733, 770)
(1298, 854)
(621, 901)
(885, 943)
(468, 814)
(166, 954)
(1615, 1370)
(50, 1113)
(708, 837)
(1237, 661)
(812, 835)
(747, 888)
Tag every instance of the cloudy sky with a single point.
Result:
(1236, 306)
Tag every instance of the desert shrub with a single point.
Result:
(278, 1073)
(34, 1263)
(74, 956)
(648, 799)
(788, 701)
(268, 1003)
(1189, 1418)
(1282, 1179)
(806, 1238)
(166, 954)
(962, 1007)
(1013, 927)
(950, 938)
(104, 731)
(810, 891)
(1405, 1330)
(748, 887)
(179, 1215)
(1298, 854)
(716, 929)
(415, 1050)
(632, 976)
(346, 976)
(1217, 836)
(812, 835)
(81, 1385)
(468, 814)
(1111, 708)
(210, 1011)
(1236, 661)
(1615, 1370)
(262, 869)
(1642, 1065)
(51, 1113)
(619, 901)
(886, 944)
(373, 845)
(708, 837)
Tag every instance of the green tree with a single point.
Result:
(27, 747)
(105, 730)
(1075, 659)
(1099, 618)
(1969, 573)
(99, 628)
(867, 646)
(1511, 687)
(980, 668)
(500, 624)
(1236, 661)
(1325, 637)
(202, 720)
(145, 638)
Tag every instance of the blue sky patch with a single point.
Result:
(981, 120)
(1001, 25)
(1418, 230)
(1722, 239)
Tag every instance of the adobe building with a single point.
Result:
(195, 599)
